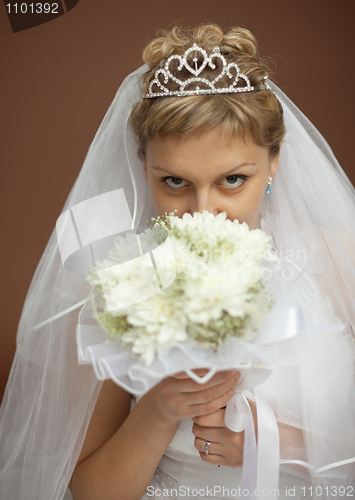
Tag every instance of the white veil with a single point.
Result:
(310, 214)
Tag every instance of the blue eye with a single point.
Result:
(234, 180)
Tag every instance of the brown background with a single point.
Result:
(58, 79)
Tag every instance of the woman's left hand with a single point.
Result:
(226, 446)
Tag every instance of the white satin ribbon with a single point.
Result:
(268, 447)
(238, 417)
(260, 463)
(250, 454)
(237, 412)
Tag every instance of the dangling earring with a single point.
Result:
(269, 181)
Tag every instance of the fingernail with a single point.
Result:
(231, 392)
(236, 376)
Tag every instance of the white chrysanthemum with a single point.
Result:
(220, 238)
(218, 283)
(211, 289)
(159, 319)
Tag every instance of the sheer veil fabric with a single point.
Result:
(310, 215)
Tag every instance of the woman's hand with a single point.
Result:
(179, 397)
(226, 446)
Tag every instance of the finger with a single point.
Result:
(211, 406)
(215, 434)
(232, 442)
(231, 456)
(216, 454)
(206, 434)
(226, 377)
(220, 460)
(215, 419)
(213, 448)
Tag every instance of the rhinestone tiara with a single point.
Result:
(207, 60)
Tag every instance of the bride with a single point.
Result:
(212, 133)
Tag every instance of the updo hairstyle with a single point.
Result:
(253, 115)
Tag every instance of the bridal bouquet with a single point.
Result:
(206, 285)
(191, 292)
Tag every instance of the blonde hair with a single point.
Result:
(254, 115)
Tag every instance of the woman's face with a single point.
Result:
(209, 171)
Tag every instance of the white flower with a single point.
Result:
(218, 271)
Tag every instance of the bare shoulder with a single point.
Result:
(111, 410)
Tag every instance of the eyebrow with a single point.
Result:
(237, 167)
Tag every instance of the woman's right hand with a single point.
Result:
(113, 461)
(179, 396)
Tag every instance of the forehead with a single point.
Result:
(211, 150)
